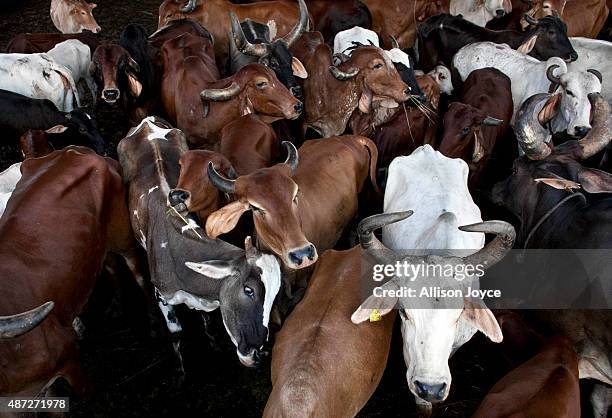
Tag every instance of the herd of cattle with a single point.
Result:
(324, 121)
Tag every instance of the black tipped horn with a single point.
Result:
(551, 76)
(491, 121)
(300, 27)
(190, 6)
(494, 251)
(242, 43)
(394, 42)
(342, 75)
(529, 19)
(530, 135)
(293, 157)
(221, 95)
(366, 228)
(596, 74)
(15, 325)
(220, 182)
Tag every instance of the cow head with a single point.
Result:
(246, 295)
(77, 128)
(194, 192)
(377, 79)
(258, 91)
(15, 325)
(546, 169)
(273, 197)
(462, 124)
(404, 67)
(547, 37)
(498, 8)
(275, 54)
(574, 107)
(442, 75)
(82, 16)
(115, 72)
(434, 330)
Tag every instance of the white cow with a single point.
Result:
(76, 56)
(39, 76)
(480, 13)
(530, 76)
(347, 40)
(594, 54)
(8, 181)
(435, 187)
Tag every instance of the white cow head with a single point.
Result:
(442, 75)
(574, 108)
(498, 8)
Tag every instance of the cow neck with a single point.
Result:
(549, 213)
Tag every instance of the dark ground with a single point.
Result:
(134, 375)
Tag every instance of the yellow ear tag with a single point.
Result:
(375, 315)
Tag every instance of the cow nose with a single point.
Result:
(581, 131)
(500, 12)
(97, 29)
(297, 256)
(431, 393)
(260, 355)
(110, 94)
(296, 91)
(178, 197)
(298, 107)
(573, 56)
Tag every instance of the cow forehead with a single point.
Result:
(581, 81)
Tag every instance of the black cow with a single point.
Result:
(252, 42)
(19, 113)
(440, 37)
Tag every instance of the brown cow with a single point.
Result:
(367, 80)
(84, 193)
(201, 104)
(214, 16)
(399, 18)
(114, 70)
(249, 144)
(323, 365)
(300, 209)
(407, 130)
(584, 18)
(29, 43)
(73, 16)
(474, 125)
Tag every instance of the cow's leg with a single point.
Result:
(209, 330)
(424, 408)
(601, 399)
(175, 329)
(133, 262)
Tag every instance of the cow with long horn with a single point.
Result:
(445, 230)
(15, 325)
(260, 46)
(201, 104)
(214, 15)
(560, 203)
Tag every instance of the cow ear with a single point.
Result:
(558, 183)
(57, 129)
(92, 6)
(135, 85)
(549, 110)
(225, 219)
(528, 45)
(481, 318)
(373, 308)
(215, 269)
(298, 68)
(595, 181)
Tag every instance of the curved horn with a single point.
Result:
(530, 134)
(16, 325)
(551, 77)
(491, 121)
(366, 228)
(601, 133)
(300, 26)
(220, 182)
(394, 42)
(496, 249)
(341, 75)
(530, 19)
(293, 157)
(190, 6)
(242, 43)
(221, 95)
(596, 74)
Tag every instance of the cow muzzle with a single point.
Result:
(110, 95)
(434, 392)
(178, 199)
(253, 358)
(500, 13)
(302, 257)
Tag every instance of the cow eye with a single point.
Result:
(551, 33)
(377, 66)
(82, 130)
(403, 315)
(261, 84)
(257, 210)
(248, 291)
(569, 92)
(442, 77)
(295, 199)
(465, 131)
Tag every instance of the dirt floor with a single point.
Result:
(134, 374)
